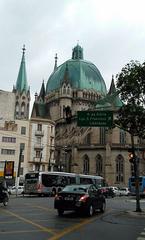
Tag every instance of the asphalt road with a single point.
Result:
(34, 218)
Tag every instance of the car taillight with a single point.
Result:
(39, 186)
(58, 197)
(84, 198)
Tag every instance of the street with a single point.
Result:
(34, 218)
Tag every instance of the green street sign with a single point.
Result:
(94, 118)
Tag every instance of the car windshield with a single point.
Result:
(75, 188)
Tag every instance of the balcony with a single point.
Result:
(39, 133)
(38, 146)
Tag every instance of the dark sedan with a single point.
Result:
(81, 198)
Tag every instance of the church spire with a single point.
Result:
(22, 91)
(21, 84)
(55, 66)
(41, 97)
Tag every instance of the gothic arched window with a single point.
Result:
(99, 165)
(22, 109)
(119, 169)
(86, 165)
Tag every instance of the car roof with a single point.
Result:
(80, 185)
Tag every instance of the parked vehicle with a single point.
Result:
(85, 198)
(104, 191)
(124, 191)
(115, 190)
(16, 190)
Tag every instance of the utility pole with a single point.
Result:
(18, 171)
(136, 174)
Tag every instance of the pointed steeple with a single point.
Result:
(21, 84)
(112, 87)
(41, 97)
(55, 66)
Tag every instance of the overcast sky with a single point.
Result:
(111, 32)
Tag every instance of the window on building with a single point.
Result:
(23, 130)
(119, 169)
(99, 165)
(38, 154)
(39, 127)
(64, 89)
(86, 165)
(9, 139)
(43, 168)
(102, 135)
(122, 136)
(7, 151)
(87, 139)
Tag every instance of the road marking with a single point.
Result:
(30, 222)
(75, 227)
(19, 231)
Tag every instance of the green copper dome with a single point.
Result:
(81, 74)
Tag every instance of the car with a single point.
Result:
(82, 198)
(124, 191)
(16, 190)
(115, 190)
(104, 191)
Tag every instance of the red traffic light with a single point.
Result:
(131, 157)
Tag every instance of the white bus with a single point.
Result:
(49, 183)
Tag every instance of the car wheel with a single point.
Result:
(90, 211)
(53, 192)
(60, 212)
(102, 209)
(5, 202)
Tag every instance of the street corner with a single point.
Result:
(134, 213)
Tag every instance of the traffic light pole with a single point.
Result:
(136, 174)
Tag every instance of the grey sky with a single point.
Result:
(111, 33)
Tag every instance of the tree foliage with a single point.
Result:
(131, 87)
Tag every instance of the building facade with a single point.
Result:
(77, 85)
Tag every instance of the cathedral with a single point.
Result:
(51, 138)
(77, 85)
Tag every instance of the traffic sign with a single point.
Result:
(94, 118)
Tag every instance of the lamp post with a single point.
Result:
(136, 174)
(18, 171)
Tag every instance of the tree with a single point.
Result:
(131, 116)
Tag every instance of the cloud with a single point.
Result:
(110, 32)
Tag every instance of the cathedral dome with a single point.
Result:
(82, 74)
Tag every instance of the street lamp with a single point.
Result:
(18, 171)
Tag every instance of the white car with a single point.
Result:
(18, 190)
(124, 191)
(115, 190)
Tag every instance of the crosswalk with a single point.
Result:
(142, 235)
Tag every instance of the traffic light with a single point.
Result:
(131, 157)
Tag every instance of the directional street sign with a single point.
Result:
(94, 118)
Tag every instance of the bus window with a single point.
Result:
(85, 180)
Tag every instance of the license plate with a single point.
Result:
(69, 198)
